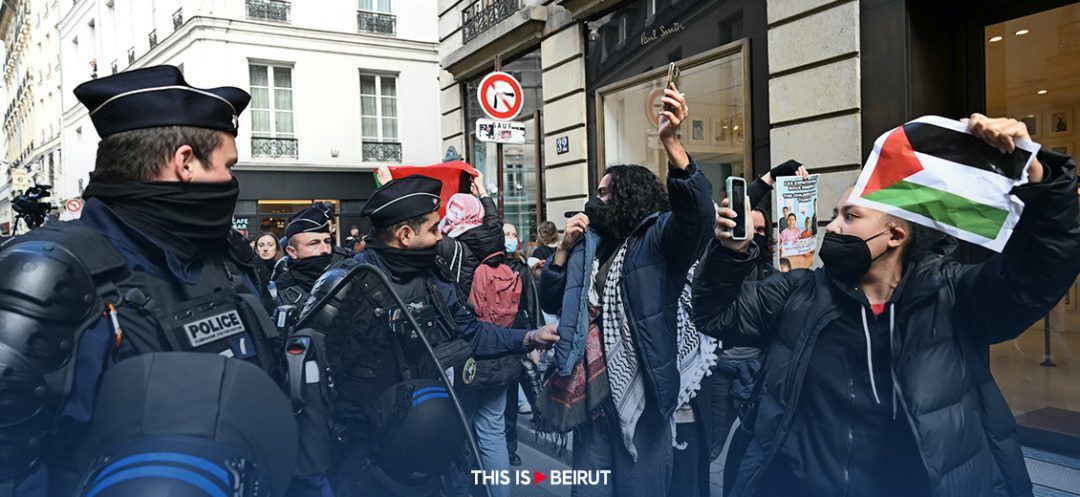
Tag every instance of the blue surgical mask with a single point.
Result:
(511, 245)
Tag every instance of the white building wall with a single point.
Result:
(217, 42)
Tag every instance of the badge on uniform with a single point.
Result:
(468, 372)
(214, 328)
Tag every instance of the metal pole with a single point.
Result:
(1048, 361)
(499, 155)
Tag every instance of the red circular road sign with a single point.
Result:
(73, 205)
(500, 96)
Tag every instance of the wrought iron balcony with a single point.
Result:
(268, 10)
(275, 148)
(483, 14)
(152, 38)
(381, 151)
(178, 18)
(375, 22)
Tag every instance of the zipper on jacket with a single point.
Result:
(796, 379)
(850, 440)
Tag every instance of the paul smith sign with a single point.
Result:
(661, 33)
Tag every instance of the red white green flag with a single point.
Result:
(931, 171)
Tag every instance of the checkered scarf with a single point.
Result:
(697, 354)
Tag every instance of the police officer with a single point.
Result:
(311, 252)
(397, 427)
(152, 265)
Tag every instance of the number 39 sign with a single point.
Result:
(500, 96)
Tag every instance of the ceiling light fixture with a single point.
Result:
(996, 39)
(1022, 32)
(1041, 92)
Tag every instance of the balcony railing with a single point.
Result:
(483, 14)
(178, 18)
(152, 38)
(275, 148)
(375, 22)
(268, 10)
(381, 151)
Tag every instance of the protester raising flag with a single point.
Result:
(933, 172)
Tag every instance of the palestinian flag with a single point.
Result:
(933, 172)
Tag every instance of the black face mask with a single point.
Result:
(308, 269)
(190, 219)
(404, 263)
(600, 217)
(847, 257)
(764, 245)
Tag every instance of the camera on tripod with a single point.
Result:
(31, 206)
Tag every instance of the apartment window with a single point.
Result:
(272, 111)
(378, 118)
(374, 16)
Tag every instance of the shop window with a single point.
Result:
(716, 134)
(1032, 76)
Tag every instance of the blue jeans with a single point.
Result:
(484, 408)
(489, 424)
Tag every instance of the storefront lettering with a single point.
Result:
(661, 33)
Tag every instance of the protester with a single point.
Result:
(512, 243)
(394, 452)
(703, 423)
(477, 256)
(151, 263)
(656, 235)
(876, 381)
(354, 236)
(548, 235)
(267, 253)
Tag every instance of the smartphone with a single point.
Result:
(570, 214)
(672, 77)
(736, 194)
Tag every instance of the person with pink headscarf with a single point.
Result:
(473, 235)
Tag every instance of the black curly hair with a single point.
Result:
(636, 193)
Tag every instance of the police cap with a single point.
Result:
(310, 220)
(403, 199)
(158, 96)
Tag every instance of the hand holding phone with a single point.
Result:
(672, 79)
(736, 196)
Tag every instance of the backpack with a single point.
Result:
(496, 293)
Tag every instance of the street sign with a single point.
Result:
(491, 131)
(562, 145)
(73, 205)
(500, 96)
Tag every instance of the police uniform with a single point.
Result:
(132, 276)
(396, 425)
(181, 424)
(293, 281)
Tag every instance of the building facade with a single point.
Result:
(328, 80)
(31, 82)
(769, 80)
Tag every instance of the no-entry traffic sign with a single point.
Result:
(73, 205)
(500, 96)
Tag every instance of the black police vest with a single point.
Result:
(383, 347)
(217, 314)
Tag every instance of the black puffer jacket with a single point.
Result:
(482, 241)
(947, 315)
